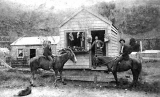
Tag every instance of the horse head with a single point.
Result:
(72, 56)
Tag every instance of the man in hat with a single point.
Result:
(48, 52)
(98, 46)
(124, 51)
(97, 49)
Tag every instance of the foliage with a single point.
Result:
(15, 22)
(152, 44)
(106, 10)
(131, 20)
(141, 19)
(136, 19)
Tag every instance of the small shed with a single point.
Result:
(79, 31)
(29, 47)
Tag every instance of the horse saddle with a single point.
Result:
(49, 58)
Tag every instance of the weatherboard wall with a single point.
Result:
(113, 45)
(85, 21)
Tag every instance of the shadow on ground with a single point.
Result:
(15, 79)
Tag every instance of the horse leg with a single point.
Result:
(32, 78)
(61, 78)
(56, 78)
(115, 77)
(135, 77)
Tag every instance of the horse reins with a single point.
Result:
(111, 60)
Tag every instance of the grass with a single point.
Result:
(153, 87)
(13, 78)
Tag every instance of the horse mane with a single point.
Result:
(63, 54)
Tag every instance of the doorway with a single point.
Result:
(32, 53)
(101, 35)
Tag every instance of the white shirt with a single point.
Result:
(122, 49)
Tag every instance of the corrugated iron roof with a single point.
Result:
(38, 40)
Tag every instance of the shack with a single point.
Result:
(79, 31)
(25, 48)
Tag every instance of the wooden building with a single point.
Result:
(79, 31)
(29, 47)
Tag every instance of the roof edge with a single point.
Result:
(66, 20)
(96, 15)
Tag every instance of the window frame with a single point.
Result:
(19, 53)
(76, 31)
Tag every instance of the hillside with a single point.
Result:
(133, 17)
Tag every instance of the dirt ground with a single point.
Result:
(12, 81)
(76, 92)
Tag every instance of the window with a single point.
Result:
(76, 41)
(20, 53)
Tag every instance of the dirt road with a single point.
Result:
(76, 92)
(11, 82)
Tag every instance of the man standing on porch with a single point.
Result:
(98, 45)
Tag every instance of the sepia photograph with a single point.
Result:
(79, 48)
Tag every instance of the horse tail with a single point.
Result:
(140, 71)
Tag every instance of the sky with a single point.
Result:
(58, 4)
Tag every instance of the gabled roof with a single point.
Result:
(35, 40)
(95, 14)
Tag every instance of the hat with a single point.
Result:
(49, 41)
(122, 40)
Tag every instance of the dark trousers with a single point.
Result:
(122, 57)
(50, 59)
(119, 59)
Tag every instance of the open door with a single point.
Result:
(101, 35)
(32, 53)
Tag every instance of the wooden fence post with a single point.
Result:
(95, 79)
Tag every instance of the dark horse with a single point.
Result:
(57, 64)
(132, 64)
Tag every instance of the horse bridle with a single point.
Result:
(66, 51)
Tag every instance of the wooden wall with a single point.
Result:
(113, 45)
(85, 21)
(82, 62)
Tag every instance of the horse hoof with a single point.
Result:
(116, 85)
(64, 83)
(106, 71)
(130, 88)
(55, 85)
(33, 85)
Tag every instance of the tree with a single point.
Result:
(142, 19)
(106, 10)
